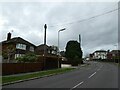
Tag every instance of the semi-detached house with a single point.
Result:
(16, 47)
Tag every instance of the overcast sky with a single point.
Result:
(27, 19)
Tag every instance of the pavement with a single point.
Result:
(95, 75)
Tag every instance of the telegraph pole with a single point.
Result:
(80, 40)
(45, 27)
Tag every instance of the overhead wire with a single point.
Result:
(86, 19)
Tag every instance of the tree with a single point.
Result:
(73, 52)
(53, 49)
(8, 52)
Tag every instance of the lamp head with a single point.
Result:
(62, 29)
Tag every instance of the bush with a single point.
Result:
(27, 58)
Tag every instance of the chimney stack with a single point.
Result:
(8, 36)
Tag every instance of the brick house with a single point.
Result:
(49, 50)
(114, 55)
(40, 49)
(15, 47)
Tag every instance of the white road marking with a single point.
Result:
(78, 85)
(92, 75)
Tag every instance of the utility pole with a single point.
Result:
(45, 27)
(80, 40)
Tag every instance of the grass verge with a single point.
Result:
(9, 79)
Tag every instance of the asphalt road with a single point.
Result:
(96, 75)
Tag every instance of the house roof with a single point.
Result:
(41, 47)
(100, 51)
(17, 40)
(115, 51)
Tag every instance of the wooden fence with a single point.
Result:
(14, 68)
(43, 64)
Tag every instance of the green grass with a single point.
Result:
(32, 75)
(0, 79)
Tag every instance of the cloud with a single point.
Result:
(27, 20)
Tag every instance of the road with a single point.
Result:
(95, 75)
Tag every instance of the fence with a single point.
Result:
(49, 62)
(14, 68)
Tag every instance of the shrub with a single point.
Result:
(27, 58)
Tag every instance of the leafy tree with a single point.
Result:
(73, 52)
(53, 49)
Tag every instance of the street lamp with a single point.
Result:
(58, 44)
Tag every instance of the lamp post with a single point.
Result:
(58, 44)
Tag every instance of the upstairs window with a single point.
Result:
(21, 46)
(32, 48)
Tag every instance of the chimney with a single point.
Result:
(8, 36)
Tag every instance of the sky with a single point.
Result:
(26, 19)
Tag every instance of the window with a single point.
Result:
(32, 48)
(18, 55)
(21, 46)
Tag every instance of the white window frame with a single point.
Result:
(20, 46)
(18, 55)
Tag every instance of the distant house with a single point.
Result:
(91, 56)
(114, 54)
(40, 49)
(100, 54)
(49, 50)
(15, 47)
